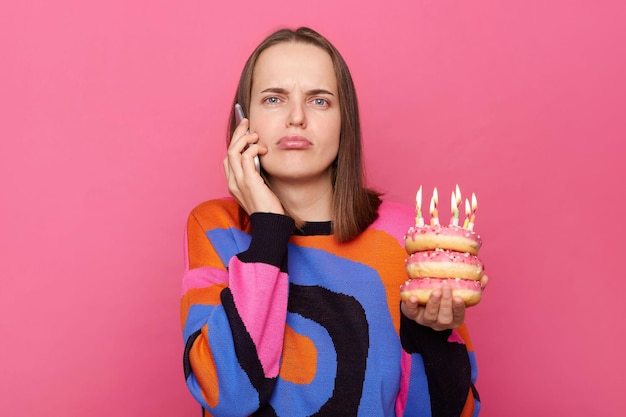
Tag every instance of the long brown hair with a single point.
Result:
(355, 207)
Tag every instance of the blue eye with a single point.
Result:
(272, 100)
(320, 102)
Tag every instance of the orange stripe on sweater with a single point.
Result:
(299, 358)
(200, 251)
(468, 410)
(203, 296)
(462, 330)
(203, 366)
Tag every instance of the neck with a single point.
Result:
(311, 201)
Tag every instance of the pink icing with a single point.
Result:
(429, 283)
(440, 255)
(444, 231)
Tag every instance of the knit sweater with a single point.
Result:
(284, 323)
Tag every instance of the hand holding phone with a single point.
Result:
(238, 117)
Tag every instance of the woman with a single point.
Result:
(290, 301)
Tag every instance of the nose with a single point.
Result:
(297, 116)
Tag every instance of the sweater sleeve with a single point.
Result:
(233, 310)
(445, 359)
(438, 368)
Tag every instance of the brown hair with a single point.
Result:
(355, 207)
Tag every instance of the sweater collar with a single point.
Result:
(315, 229)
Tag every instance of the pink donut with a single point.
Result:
(470, 291)
(444, 264)
(421, 238)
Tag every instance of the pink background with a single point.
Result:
(112, 125)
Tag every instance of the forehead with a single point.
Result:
(290, 62)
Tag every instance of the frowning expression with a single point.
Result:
(294, 107)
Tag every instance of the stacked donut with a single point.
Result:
(441, 255)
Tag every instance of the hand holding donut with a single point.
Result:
(442, 311)
(244, 182)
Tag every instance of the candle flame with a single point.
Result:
(455, 206)
(434, 216)
(418, 198)
(473, 216)
(455, 210)
(419, 221)
(453, 203)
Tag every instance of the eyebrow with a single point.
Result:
(279, 90)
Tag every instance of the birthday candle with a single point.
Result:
(470, 226)
(467, 213)
(455, 210)
(434, 214)
(418, 208)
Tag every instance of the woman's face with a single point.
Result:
(294, 107)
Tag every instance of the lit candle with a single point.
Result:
(419, 220)
(434, 214)
(470, 226)
(467, 213)
(458, 196)
(455, 210)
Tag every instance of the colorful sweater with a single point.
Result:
(278, 323)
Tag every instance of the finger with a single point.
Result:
(228, 172)
(410, 308)
(248, 155)
(238, 143)
(241, 144)
(458, 311)
(483, 281)
(240, 155)
(431, 310)
(240, 131)
(231, 182)
(445, 315)
(242, 138)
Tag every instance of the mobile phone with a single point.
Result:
(238, 117)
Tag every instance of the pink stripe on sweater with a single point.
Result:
(455, 337)
(405, 365)
(202, 277)
(260, 292)
(394, 219)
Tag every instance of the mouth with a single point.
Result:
(293, 142)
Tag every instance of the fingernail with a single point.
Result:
(447, 291)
